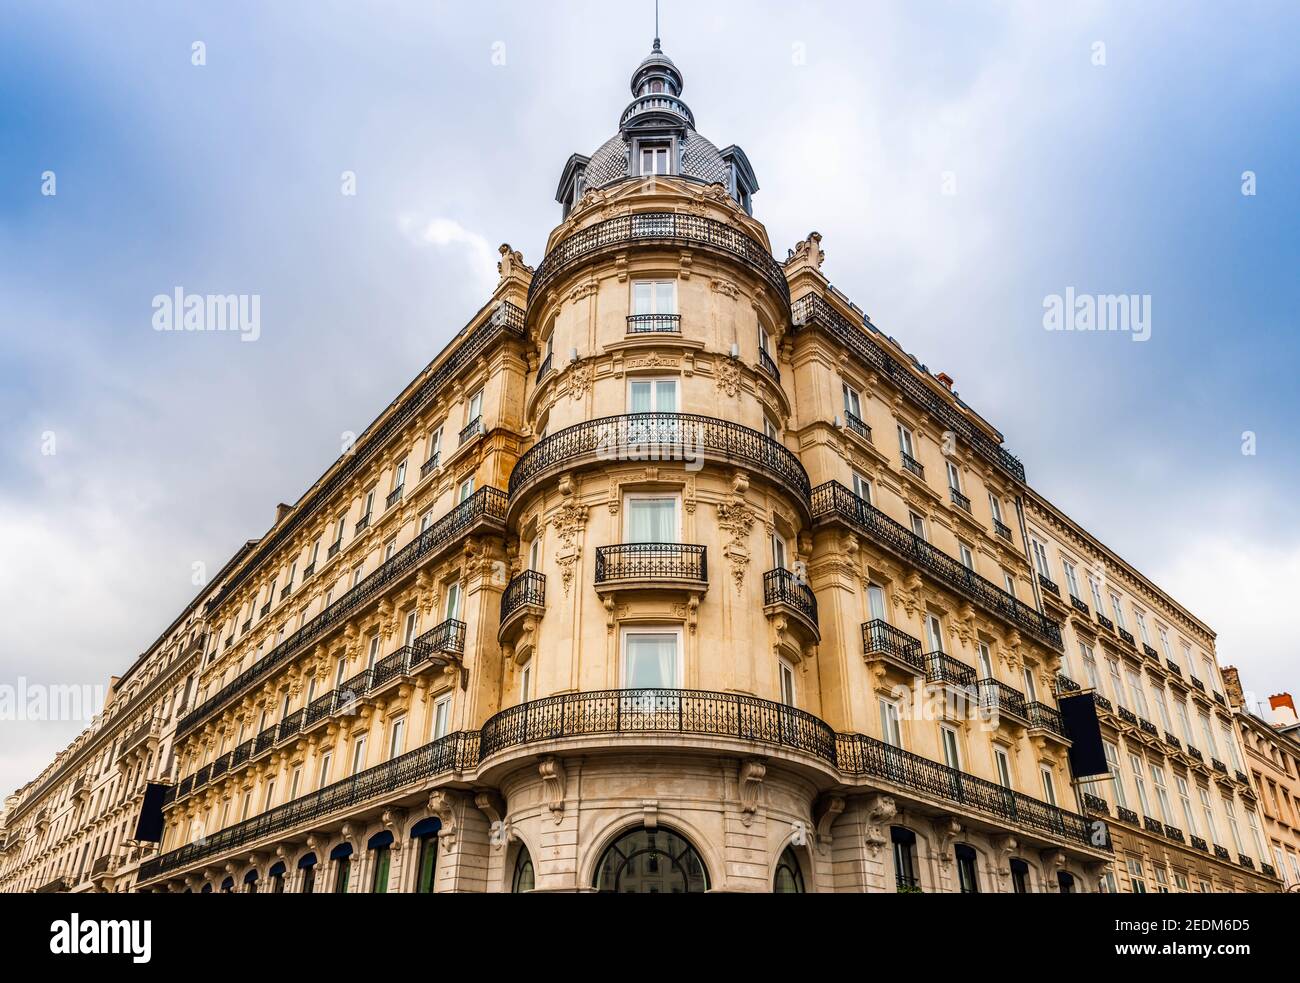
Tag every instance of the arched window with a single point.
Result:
(308, 867)
(904, 842)
(250, 882)
(1019, 876)
(425, 832)
(381, 846)
(651, 861)
(1066, 881)
(788, 878)
(276, 874)
(341, 856)
(523, 879)
(228, 886)
(967, 874)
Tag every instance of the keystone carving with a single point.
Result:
(879, 810)
(442, 806)
(736, 519)
(752, 773)
(493, 806)
(552, 771)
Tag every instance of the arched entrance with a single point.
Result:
(651, 861)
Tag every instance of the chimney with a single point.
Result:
(946, 379)
(1232, 683)
(1284, 714)
(281, 511)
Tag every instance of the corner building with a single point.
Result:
(670, 574)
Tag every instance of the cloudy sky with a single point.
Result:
(962, 161)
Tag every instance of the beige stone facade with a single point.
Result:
(670, 573)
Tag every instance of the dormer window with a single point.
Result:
(654, 159)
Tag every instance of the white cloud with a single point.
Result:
(448, 234)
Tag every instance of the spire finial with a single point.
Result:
(657, 48)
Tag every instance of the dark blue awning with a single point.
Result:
(250, 877)
(341, 851)
(309, 860)
(380, 840)
(426, 827)
(277, 869)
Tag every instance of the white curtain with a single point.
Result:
(652, 520)
(652, 661)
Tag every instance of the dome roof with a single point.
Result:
(701, 159)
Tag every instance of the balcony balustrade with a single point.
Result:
(653, 324)
(943, 669)
(1245, 861)
(394, 496)
(881, 638)
(1002, 529)
(1080, 605)
(660, 103)
(362, 525)
(1148, 727)
(1222, 700)
(1174, 668)
(1173, 742)
(1268, 870)
(857, 425)
(998, 699)
(1126, 637)
(1102, 703)
(1221, 852)
(471, 430)
(524, 590)
(307, 571)
(782, 586)
(1096, 804)
(912, 465)
(651, 564)
(766, 363)
(333, 551)
(1242, 778)
(1198, 684)
(1105, 622)
(285, 591)
(1174, 833)
(431, 465)
(1064, 684)
(833, 500)
(1195, 753)
(1218, 766)
(1128, 716)
(1043, 717)
(264, 610)
(1153, 825)
(1127, 815)
(1200, 844)
(1049, 585)
(959, 500)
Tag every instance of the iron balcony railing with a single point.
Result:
(637, 711)
(1002, 529)
(1174, 833)
(1095, 803)
(1198, 684)
(1128, 716)
(958, 499)
(1194, 752)
(1245, 861)
(857, 425)
(1221, 852)
(527, 588)
(661, 437)
(1218, 766)
(394, 496)
(429, 466)
(455, 752)
(1105, 622)
(913, 465)
(1064, 684)
(834, 500)
(362, 524)
(1103, 703)
(781, 586)
(1220, 699)
(1173, 742)
(1043, 717)
(265, 609)
(1243, 778)
(1079, 605)
(1200, 844)
(653, 562)
(768, 365)
(1127, 815)
(811, 309)
(999, 698)
(1148, 727)
(879, 637)
(1268, 870)
(653, 324)
(307, 571)
(1151, 653)
(1127, 637)
(285, 591)
(471, 430)
(1153, 825)
(333, 551)
(654, 228)
(1049, 585)
(943, 668)
(861, 755)
(506, 319)
(486, 505)
(545, 367)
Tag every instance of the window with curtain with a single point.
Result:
(652, 396)
(651, 519)
(651, 660)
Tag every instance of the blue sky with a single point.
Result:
(225, 178)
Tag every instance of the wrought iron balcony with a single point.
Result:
(1105, 622)
(1195, 753)
(248, 623)
(394, 496)
(781, 586)
(636, 711)
(265, 609)
(241, 754)
(1218, 766)
(307, 571)
(80, 786)
(861, 755)
(1153, 825)
(1064, 684)
(1198, 684)
(660, 437)
(1245, 861)
(546, 366)
(333, 551)
(362, 524)
(913, 465)
(285, 591)
(471, 430)
(998, 698)
(1173, 741)
(833, 501)
(653, 324)
(527, 588)
(1174, 833)
(1268, 870)
(1220, 699)
(1128, 716)
(1126, 637)
(879, 637)
(448, 637)
(487, 505)
(656, 228)
(1079, 605)
(944, 669)
(1174, 668)
(857, 425)
(651, 563)
(429, 466)
(1127, 815)
(958, 499)
(1095, 803)
(766, 363)
(1148, 727)
(1221, 852)
(812, 310)
(1043, 717)
(1103, 703)
(1200, 844)
(220, 766)
(455, 752)
(1149, 652)
(1049, 585)
(1243, 778)
(1002, 529)
(148, 730)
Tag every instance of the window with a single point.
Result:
(651, 659)
(412, 626)
(1116, 683)
(295, 781)
(453, 602)
(1208, 814)
(861, 487)
(1180, 708)
(369, 505)
(1031, 687)
(904, 844)
(1136, 876)
(1162, 709)
(1071, 577)
(995, 506)
(1049, 785)
(1162, 880)
(474, 408)
(1162, 793)
(1185, 800)
(1180, 882)
(441, 717)
(651, 519)
(654, 159)
(397, 737)
(651, 395)
(905, 444)
(1095, 589)
(434, 447)
(654, 297)
(358, 754)
(1140, 617)
(1139, 694)
(985, 659)
(356, 574)
(954, 477)
(1040, 558)
(1139, 782)
(535, 554)
(918, 525)
(1164, 642)
(1252, 820)
(1003, 764)
(934, 633)
(1208, 733)
(426, 833)
(465, 490)
(967, 557)
(951, 752)
(373, 653)
(390, 548)
(399, 476)
(523, 878)
(525, 681)
(381, 862)
(1090, 667)
(1009, 583)
(788, 879)
(852, 401)
(876, 602)
(967, 876)
(889, 722)
(1230, 811)
(787, 683)
(1118, 610)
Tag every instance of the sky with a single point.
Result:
(962, 161)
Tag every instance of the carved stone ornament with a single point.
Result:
(579, 376)
(442, 806)
(512, 261)
(552, 771)
(493, 806)
(727, 375)
(827, 809)
(879, 810)
(808, 252)
(946, 831)
(752, 773)
(736, 519)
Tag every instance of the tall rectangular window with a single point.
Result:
(397, 737)
(951, 752)
(889, 722)
(651, 659)
(651, 519)
(654, 297)
(646, 395)
(441, 717)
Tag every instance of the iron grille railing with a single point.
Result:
(526, 588)
(833, 499)
(1200, 844)
(657, 711)
(1079, 605)
(507, 319)
(861, 755)
(943, 668)
(880, 637)
(998, 698)
(958, 499)
(781, 586)
(1150, 653)
(362, 524)
(1198, 684)
(768, 365)
(333, 551)
(449, 636)
(1218, 766)
(545, 367)
(1148, 727)
(455, 752)
(1095, 803)
(1043, 717)
(653, 324)
(487, 504)
(1268, 869)
(1127, 637)
(912, 464)
(1153, 825)
(471, 429)
(1103, 703)
(1002, 529)
(1127, 815)
(1049, 585)
(651, 562)
(1221, 852)
(429, 466)
(1064, 684)
(661, 437)
(1174, 833)
(1220, 699)
(1243, 778)
(1105, 622)
(812, 309)
(1173, 741)
(659, 227)
(1194, 752)
(1245, 861)
(1128, 716)
(857, 425)
(394, 496)
(1174, 668)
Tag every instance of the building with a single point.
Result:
(671, 573)
(1182, 810)
(77, 827)
(1273, 759)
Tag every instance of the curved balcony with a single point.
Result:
(652, 324)
(660, 103)
(652, 566)
(658, 711)
(658, 437)
(783, 590)
(881, 640)
(524, 596)
(659, 228)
